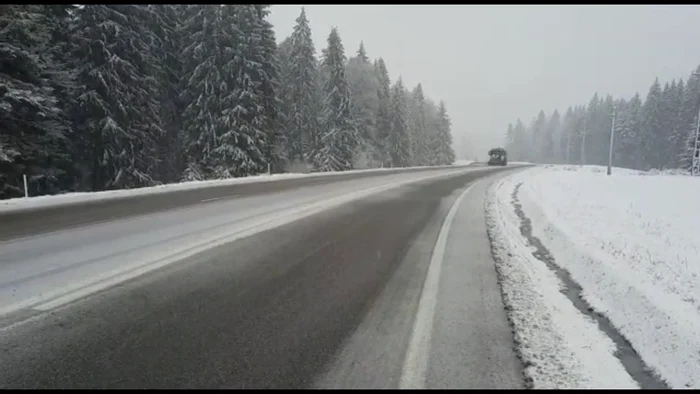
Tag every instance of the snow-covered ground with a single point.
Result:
(75, 198)
(462, 162)
(632, 242)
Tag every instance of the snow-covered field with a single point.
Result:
(632, 242)
(76, 198)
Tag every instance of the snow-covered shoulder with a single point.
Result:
(559, 346)
(632, 241)
(76, 198)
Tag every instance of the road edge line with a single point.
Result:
(415, 366)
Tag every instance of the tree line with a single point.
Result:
(657, 132)
(100, 97)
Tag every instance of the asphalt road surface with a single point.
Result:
(379, 282)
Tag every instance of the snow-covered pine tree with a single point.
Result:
(339, 137)
(420, 137)
(362, 54)
(599, 144)
(550, 139)
(578, 151)
(626, 153)
(522, 144)
(284, 94)
(589, 129)
(241, 124)
(383, 122)
(676, 144)
(567, 136)
(444, 153)
(509, 139)
(651, 128)
(665, 137)
(399, 138)
(61, 75)
(201, 95)
(34, 133)
(364, 87)
(270, 85)
(117, 105)
(688, 119)
(537, 130)
(166, 23)
(303, 126)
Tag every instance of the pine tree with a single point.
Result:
(399, 139)
(362, 54)
(567, 136)
(303, 128)
(166, 23)
(284, 50)
(383, 122)
(550, 139)
(538, 130)
(419, 132)
(521, 144)
(243, 122)
(61, 75)
(365, 102)
(664, 139)
(34, 136)
(201, 95)
(581, 130)
(270, 85)
(509, 138)
(444, 153)
(339, 138)
(651, 130)
(593, 131)
(676, 135)
(688, 119)
(627, 133)
(599, 144)
(117, 104)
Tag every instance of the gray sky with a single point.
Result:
(493, 64)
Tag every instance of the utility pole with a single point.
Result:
(612, 140)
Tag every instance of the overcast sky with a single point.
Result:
(494, 64)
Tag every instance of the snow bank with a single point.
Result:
(76, 198)
(462, 162)
(632, 241)
(559, 346)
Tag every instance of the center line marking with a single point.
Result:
(415, 366)
(220, 198)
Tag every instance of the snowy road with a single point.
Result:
(354, 283)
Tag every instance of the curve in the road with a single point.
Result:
(268, 311)
(43, 219)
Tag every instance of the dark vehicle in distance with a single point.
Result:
(498, 157)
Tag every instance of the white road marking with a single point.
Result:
(415, 366)
(220, 198)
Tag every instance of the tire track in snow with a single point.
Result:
(630, 359)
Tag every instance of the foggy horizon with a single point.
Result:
(494, 64)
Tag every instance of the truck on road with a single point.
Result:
(498, 157)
